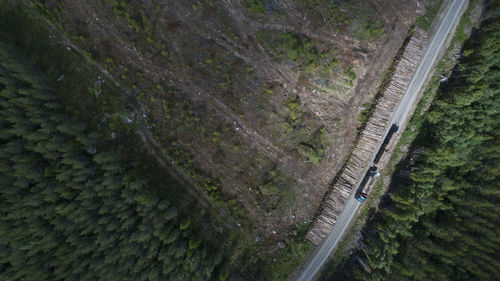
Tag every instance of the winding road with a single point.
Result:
(399, 118)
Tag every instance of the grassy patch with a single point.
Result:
(277, 188)
(256, 6)
(363, 24)
(311, 144)
(298, 50)
(367, 28)
(425, 21)
(365, 112)
(278, 266)
(350, 73)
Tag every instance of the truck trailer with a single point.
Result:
(366, 184)
(394, 128)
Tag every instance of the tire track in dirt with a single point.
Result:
(284, 162)
(152, 147)
(257, 58)
(150, 143)
(301, 24)
(174, 80)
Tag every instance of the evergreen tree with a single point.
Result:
(71, 205)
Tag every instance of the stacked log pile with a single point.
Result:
(370, 137)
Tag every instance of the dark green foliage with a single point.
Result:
(309, 143)
(442, 222)
(299, 50)
(256, 6)
(75, 205)
(362, 23)
(425, 21)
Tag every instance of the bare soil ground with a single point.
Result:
(257, 104)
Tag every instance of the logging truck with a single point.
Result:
(366, 184)
(371, 174)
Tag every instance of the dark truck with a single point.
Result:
(371, 174)
(366, 184)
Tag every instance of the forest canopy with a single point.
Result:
(79, 200)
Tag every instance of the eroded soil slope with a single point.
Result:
(255, 102)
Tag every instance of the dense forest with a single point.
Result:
(440, 218)
(79, 199)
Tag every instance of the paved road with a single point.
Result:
(399, 118)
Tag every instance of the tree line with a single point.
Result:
(440, 219)
(75, 202)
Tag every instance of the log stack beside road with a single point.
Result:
(370, 137)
